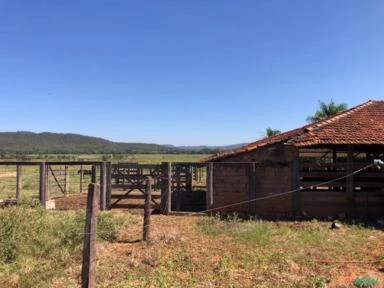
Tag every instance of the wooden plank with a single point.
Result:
(147, 210)
(108, 185)
(296, 196)
(166, 188)
(133, 196)
(88, 272)
(209, 194)
(103, 186)
(43, 184)
(66, 183)
(19, 181)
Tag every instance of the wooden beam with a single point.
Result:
(103, 186)
(209, 193)
(166, 188)
(66, 183)
(296, 196)
(108, 185)
(88, 271)
(147, 210)
(43, 184)
(19, 181)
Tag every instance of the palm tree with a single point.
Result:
(272, 132)
(326, 110)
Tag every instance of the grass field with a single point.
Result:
(43, 249)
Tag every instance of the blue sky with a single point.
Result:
(184, 72)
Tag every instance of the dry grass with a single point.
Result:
(191, 251)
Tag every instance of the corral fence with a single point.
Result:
(47, 182)
(176, 187)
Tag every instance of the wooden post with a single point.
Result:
(209, 194)
(19, 181)
(66, 183)
(93, 178)
(103, 186)
(178, 188)
(43, 184)
(108, 185)
(88, 271)
(166, 188)
(81, 178)
(147, 209)
(252, 188)
(350, 211)
(296, 196)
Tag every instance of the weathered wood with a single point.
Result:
(108, 185)
(103, 186)
(209, 193)
(296, 196)
(177, 192)
(349, 184)
(19, 181)
(88, 272)
(147, 210)
(66, 183)
(252, 188)
(93, 177)
(81, 178)
(166, 188)
(43, 184)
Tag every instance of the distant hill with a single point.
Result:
(55, 143)
(60, 143)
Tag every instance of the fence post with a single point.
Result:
(147, 209)
(88, 271)
(19, 181)
(43, 184)
(93, 178)
(296, 196)
(66, 183)
(108, 185)
(103, 186)
(209, 194)
(81, 178)
(166, 188)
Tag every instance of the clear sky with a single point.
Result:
(184, 72)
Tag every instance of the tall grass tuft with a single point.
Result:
(37, 245)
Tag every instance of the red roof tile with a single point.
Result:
(360, 125)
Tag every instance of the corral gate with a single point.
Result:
(177, 186)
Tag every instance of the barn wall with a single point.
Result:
(273, 173)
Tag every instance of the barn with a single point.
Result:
(324, 169)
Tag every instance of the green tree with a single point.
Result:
(325, 110)
(272, 132)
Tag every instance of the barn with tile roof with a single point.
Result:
(319, 170)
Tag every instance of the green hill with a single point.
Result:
(55, 143)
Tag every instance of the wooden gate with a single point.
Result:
(180, 189)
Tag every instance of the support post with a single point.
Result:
(19, 182)
(93, 178)
(252, 188)
(88, 271)
(66, 183)
(147, 210)
(108, 185)
(166, 188)
(81, 178)
(43, 184)
(103, 186)
(296, 196)
(350, 185)
(209, 194)
(178, 188)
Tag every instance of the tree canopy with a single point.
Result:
(327, 109)
(272, 132)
